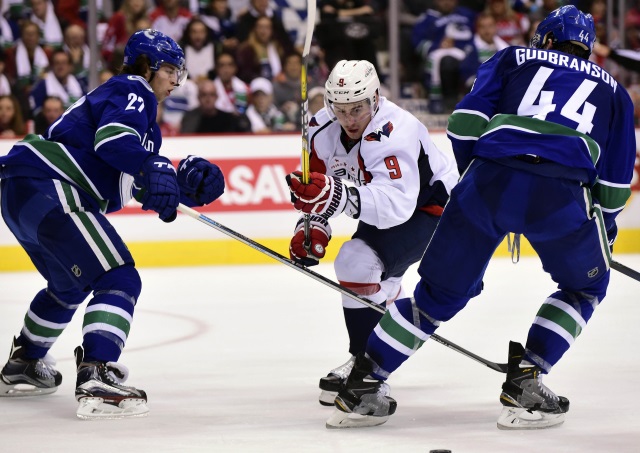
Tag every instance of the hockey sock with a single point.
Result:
(557, 324)
(48, 315)
(109, 314)
(401, 331)
(360, 323)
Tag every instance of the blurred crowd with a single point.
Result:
(244, 60)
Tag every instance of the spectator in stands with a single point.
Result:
(511, 26)
(486, 40)
(208, 119)
(11, 119)
(260, 55)
(444, 40)
(316, 100)
(632, 25)
(629, 59)
(286, 87)
(75, 45)
(247, 19)
(262, 112)
(5, 86)
(26, 64)
(544, 9)
(183, 98)
(58, 82)
(231, 92)
(43, 14)
(76, 12)
(347, 30)
(104, 75)
(318, 70)
(218, 19)
(199, 49)
(170, 18)
(167, 129)
(410, 12)
(120, 27)
(7, 38)
(52, 109)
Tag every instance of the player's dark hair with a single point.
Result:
(572, 49)
(139, 67)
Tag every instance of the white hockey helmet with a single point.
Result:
(352, 81)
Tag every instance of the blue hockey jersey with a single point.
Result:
(554, 105)
(97, 144)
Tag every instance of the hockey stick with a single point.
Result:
(304, 108)
(501, 367)
(625, 270)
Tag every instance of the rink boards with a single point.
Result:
(255, 204)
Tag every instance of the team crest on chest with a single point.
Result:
(376, 136)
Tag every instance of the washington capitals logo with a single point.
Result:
(377, 135)
(313, 122)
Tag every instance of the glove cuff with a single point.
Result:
(337, 200)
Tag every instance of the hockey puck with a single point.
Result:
(439, 451)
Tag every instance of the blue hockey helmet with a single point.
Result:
(567, 23)
(159, 48)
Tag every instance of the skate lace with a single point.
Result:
(344, 369)
(545, 390)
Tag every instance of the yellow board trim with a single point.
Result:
(232, 252)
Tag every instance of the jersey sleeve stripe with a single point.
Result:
(113, 131)
(611, 198)
(467, 124)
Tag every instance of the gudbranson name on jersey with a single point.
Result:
(568, 61)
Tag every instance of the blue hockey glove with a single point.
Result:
(158, 187)
(200, 180)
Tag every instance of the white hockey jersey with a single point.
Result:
(395, 165)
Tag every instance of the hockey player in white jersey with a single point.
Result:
(397, 183)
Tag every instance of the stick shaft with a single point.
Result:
(625, 270)
(304, 109)
(501, 367)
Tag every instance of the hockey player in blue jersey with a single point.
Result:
(55, 191)
(545, 143)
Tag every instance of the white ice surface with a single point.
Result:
(231, 356)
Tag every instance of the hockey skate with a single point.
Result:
(528, 403)
(101, 394)
(364, 401)
(333, 382)
(28, 377)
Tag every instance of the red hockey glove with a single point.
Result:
(320, 233)
(324, 195)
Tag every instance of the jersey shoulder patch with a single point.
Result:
(377, 135)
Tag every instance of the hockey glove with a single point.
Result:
(200, 181)
(320, 233)
(157, 187)
(324, 195)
